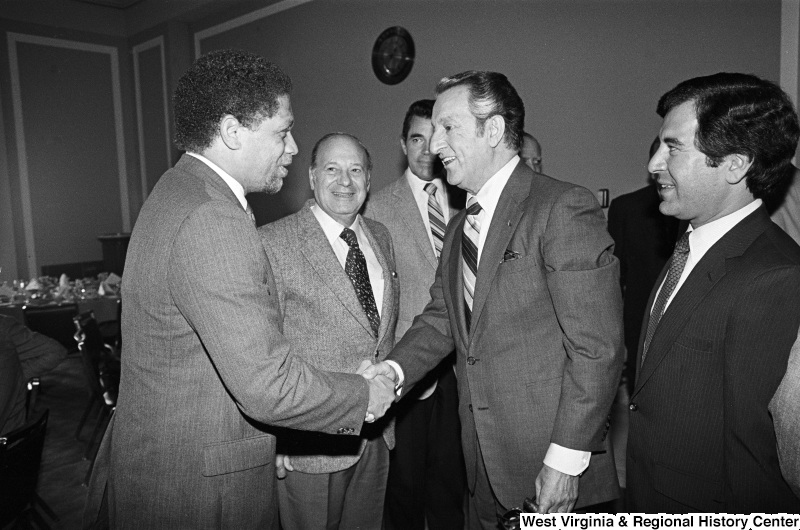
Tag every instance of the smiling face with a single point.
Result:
(416, 147)
(466, 155)
(267, 149)
(340, 178)
(690, 189)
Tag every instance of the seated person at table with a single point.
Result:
(12, 388)
(37, 353)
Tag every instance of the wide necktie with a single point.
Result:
(676, 265)
(250, 213)
(436, 218)
(469, 254)
(356, 268)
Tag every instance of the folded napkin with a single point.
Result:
(113, 279)
(33, 285)
(63, 281)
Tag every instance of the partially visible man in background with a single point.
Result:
(426, 473)
(531, 152)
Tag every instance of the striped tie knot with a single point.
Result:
(474, 207)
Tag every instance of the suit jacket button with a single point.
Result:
(633, 407)
(471, 360)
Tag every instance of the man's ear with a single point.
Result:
(311, 178)
(495, 128)
(737, 166)
(403, 146)
(229, 132)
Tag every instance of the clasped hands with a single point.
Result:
(382, 379)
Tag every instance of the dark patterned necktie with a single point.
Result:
(356, 268)
(436, 218)
(469, 254)
(677, 263)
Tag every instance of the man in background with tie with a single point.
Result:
(337, 286)
(723, 315)
(426, 472)
(527, 292)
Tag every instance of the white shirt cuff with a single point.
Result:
(568, 461)
(401, 378)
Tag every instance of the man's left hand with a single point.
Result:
(556, 492)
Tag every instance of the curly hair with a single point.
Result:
(746, 115)
(491, 94)
(235, 82)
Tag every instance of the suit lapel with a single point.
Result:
(452, 278)
(502, 228)
(317, 250)
(705, 275)
(387, 308)
(413, 223)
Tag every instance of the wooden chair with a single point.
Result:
(101, 367)
(20, 457)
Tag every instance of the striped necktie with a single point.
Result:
(436, 218)
(469, 254)
(677, 263)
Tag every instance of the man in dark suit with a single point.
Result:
(723, 315)
(643, 242)
(334, 481)
(527, 293)
(426, 473)
(785, 409)
(204, 360)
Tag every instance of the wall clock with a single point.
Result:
(393, 55)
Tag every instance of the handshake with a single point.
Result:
(382, 379)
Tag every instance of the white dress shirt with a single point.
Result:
(232, 183)
(333, 229)
(421, 198)
(703, 238)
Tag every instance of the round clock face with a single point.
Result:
(393, 55)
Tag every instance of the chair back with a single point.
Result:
(53, 321)
(20, 456)
(100, 366)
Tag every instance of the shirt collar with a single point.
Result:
(232, 183)
(418, 185)
(701, 239)
(332, 227)
(489, 194)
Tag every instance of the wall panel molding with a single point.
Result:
(137, 50)
(19, 128)
(242, 20)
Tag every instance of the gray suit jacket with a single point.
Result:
(543, 356)
(395, 207)
(785, 409)
(204, 365)
(326, 325)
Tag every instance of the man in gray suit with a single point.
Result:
(334, 317)
(527, 292)
(426, 472)
(204, 360)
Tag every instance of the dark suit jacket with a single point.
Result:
(204, 363)
(542, 359)
(643, 242)
(701, 437)
(326, 324)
